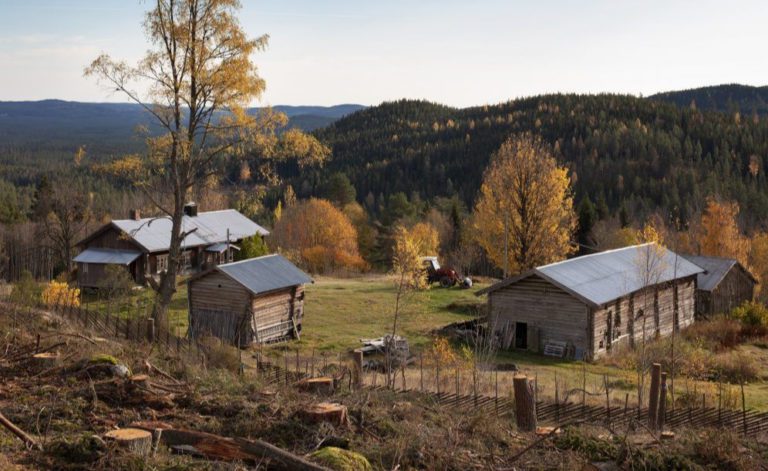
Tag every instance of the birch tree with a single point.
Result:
(196, 81)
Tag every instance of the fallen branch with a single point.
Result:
(150, 367)
(228, 449)
(62, 334)
(29, 441)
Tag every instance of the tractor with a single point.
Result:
(446, 276)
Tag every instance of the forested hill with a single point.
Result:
(730, 98)
(623, 150)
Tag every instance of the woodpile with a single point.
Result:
(135, 440)
(330, 412)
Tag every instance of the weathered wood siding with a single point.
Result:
(648, 314)
(554, 314)
(95, 274)
(735, 288)
(113, 239)
(219, 306)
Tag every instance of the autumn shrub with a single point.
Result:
(735, 367)
(58, 293)
(718, 333)
(753, 317)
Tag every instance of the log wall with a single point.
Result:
(550, 313)
(735, 288)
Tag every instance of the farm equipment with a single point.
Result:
(446, 276)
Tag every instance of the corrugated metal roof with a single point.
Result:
(154, 234)
(220, 247)
(716, 269)
(605, 276)
(264, 274)
(107, 256)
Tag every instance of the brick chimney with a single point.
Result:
(135, 214)
(190, 209)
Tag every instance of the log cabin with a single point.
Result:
(586, 306)
(141, 245)
(258, 300)
(724, 285)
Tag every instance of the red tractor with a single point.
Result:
(446, 276)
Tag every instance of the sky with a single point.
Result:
(460, 53)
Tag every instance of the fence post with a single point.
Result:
(743, 408)
(437, 375)
(421, 371)
(358, 357)
(150, 325)
(662, 419)
(525, 405)
(653, 397)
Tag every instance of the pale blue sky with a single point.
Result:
(458, 53)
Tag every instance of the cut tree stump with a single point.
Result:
(525, 403)
(141, 381)
(330, 412)
(546, 431)
(45, 360)
(136, 440)
(321, 385)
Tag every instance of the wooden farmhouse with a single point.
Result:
(252, 301)
(141, 245)
(724, 284)
(585, 306)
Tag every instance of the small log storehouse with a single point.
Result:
(257, 300)
(584, 307)
(723, 286)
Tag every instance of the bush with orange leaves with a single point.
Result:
(58, 293)
(318, 236)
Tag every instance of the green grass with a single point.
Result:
(339, 312)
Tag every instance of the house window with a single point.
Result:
(162, 263)
(85, 268)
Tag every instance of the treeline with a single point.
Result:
(627, 154)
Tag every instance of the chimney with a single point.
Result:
(135, 214)
(190, 209)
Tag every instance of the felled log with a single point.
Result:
(135, 440)
(29, 441)
(321, 385)
(326, 412)
(228, 449)
(122, 392)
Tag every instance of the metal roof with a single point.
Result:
(264, 274)
(107, 256)
(716, 269)
(154, 234)
(599, 278)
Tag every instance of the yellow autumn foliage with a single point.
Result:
(58, 293)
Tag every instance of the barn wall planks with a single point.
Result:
(735, 288)
(553, 313)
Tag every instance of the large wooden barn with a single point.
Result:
(723, 285)
(252, 301)
(141, 245)
(585, 306)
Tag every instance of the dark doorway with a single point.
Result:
(521, 335)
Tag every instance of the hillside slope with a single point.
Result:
(728, 98)
(623, 151)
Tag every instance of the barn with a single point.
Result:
(586, 306)
(723, 285)
(257, 300)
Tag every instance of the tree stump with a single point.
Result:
(525, 404)
(45, 360)
(133, 439)
(321, 385)
(653, 396)
(141, 381)
(330, 412)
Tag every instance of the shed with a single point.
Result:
(723, 285)
(257, 300)
(585, 306)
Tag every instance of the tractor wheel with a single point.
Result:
(447, 282)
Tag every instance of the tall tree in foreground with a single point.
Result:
(720, 234)
(524, 216)
(198, 78)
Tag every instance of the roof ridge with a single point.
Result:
(249, 260)
(581, 257)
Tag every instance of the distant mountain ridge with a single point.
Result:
(726, 98)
